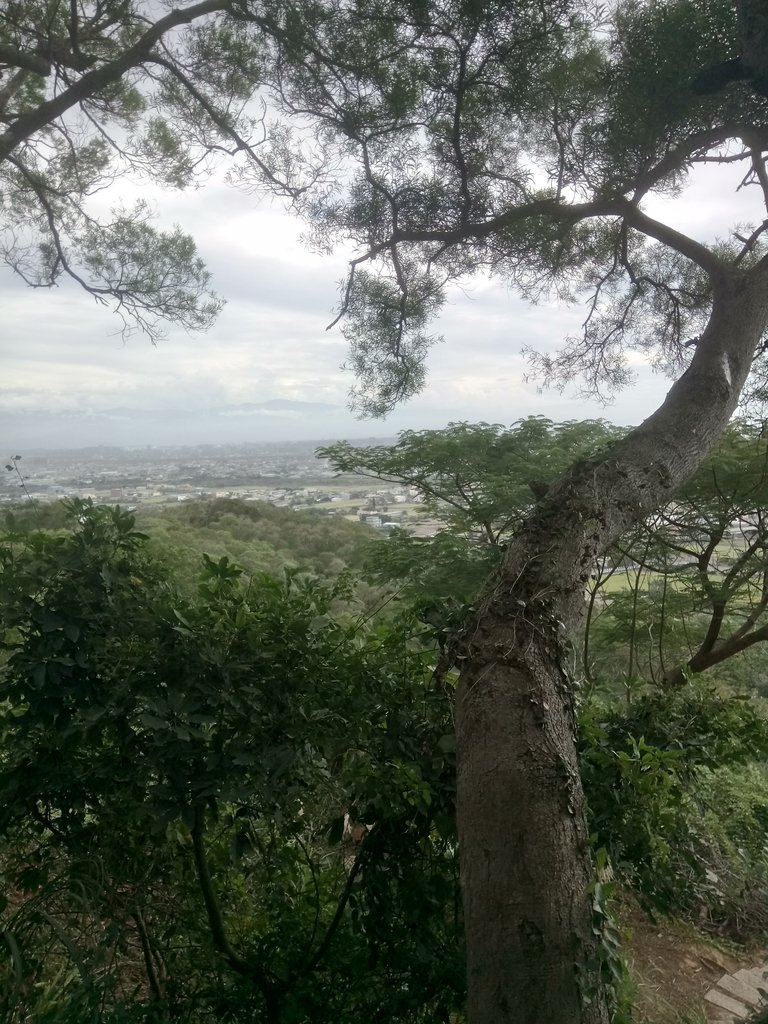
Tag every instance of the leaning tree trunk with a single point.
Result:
(525, 857)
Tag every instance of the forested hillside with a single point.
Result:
(258, 536)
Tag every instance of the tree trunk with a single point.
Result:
(525, 857)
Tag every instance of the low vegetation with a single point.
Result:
(228, 793)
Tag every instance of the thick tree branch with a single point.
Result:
(686, 151)
(716, 620)
(573, 213)
(728, 649)
(94, 81)
(12, 57)
(341, 906)
(456, 132)
(246, 968)
(10, 89)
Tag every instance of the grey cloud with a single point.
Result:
(267, 370)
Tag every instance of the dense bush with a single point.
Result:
(221, 806)
(677, 796)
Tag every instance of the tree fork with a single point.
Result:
(526, 862)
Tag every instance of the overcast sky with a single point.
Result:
(268, 370)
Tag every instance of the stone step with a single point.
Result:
(757, 977)
(740, 990)
(726, 1002)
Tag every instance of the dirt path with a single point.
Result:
(677, 973)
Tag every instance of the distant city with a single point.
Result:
(286, 474)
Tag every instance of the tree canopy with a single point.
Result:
(81, 106)
(476, 476)
(439, 139)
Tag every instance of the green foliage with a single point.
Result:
(507, 141)
(651, 105)
(644, 768)
(436, 139)
(477, 477)
(607, 964)
(259, 536)
(161, 276)
(734, 802)
(446, 568)
(480, 480)
(226, 805)
(148, 702)
(388, 343)
(78, 109)
(652, 773)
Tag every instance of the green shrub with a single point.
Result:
(676, 796)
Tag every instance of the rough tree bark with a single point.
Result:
(526, 863)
